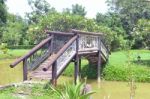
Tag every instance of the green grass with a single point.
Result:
(13, 53)
(118, 68)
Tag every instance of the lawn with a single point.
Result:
(13, 53)
(120, 69)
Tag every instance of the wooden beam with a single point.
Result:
(25, 71)
(99, 61)
(80, 67)
(76, 63)
(37, 47)
(54, 74)
(59, 33)
(87, 33)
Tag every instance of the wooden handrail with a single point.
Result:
(37, 47)
(87, 33)
(59, 33)
(60, 52)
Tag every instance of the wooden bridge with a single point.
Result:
(50, 57)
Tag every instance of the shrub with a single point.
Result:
(122, 73)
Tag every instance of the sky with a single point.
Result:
(20, 7)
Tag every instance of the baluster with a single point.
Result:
(25, 69)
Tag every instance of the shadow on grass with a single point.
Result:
(142, 62)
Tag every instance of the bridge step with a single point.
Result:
(38, 73)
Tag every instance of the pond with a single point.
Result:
(104, 90)
(114, 89)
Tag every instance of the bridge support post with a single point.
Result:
(76, 63)
(80, 67)
(25, 70)
(54, 74)
(76, 72)
(99, 61)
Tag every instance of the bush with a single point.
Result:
(21, 47)
(123, 73)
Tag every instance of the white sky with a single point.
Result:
(91, 6)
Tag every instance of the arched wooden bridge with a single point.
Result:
(50, 57)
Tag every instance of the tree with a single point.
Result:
(3, 12)
(130, 12)
(78, 10)
(15, 30)
(3, 15)
(40, 8)
(141, 34)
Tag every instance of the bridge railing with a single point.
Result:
(89, 41)
(63, 57)
(34, 57)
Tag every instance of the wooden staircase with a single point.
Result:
(50, 57)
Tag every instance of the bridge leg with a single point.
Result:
(80, 67)
(25, 69)
(99, 67)
(54, 74)
(76, 72)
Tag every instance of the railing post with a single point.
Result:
(99, 61)
(54, 73)
(25, 71)
(76, 63)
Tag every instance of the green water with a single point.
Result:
(104, 90)
(9, 75)
(114, 89)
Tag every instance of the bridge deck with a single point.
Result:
(38, 73)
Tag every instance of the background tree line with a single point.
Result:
(126, 23)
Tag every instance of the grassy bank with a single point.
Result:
(13, 53)
(118, 69)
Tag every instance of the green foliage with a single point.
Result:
(21, 47)
(15, 30)
(3, 48)
(72, 92)
(118, 69)
(130, 11)
(3, 17)
(40, 8)
(141, 34)
(78, 10)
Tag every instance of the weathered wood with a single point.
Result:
(60, 52)
(99, 66)
(76, 63)
(54, 74)
(25, 70)
(60, 72)
(37, 47)
(60, 33)
(87, 33)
